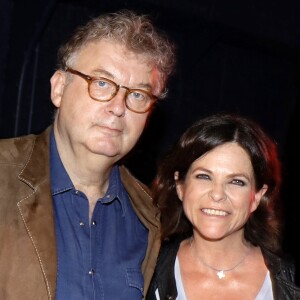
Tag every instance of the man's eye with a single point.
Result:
(137, 95)
(102, 83)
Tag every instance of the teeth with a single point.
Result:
(214, 212)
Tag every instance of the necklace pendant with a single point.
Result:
(221, 274)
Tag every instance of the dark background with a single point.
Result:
(239, 56)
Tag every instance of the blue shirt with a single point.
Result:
(101, 259)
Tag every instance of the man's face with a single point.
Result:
(107, 129)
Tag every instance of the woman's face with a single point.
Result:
(218, 193)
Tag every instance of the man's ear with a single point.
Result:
(57, 81)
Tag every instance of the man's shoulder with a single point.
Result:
(131, 182)
(12, 148)
(140, 196)
(15, 149)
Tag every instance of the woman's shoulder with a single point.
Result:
(168, 252)
(282, 271)
(277, 263)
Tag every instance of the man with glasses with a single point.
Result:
(74, 223)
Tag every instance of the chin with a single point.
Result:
(107, 152)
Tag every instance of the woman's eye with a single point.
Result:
(202, 176)
(238, 182)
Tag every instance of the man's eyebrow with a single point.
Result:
(101, 72)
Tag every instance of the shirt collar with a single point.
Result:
(60, 180)
(116, 189)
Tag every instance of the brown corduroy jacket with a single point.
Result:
(28, 258)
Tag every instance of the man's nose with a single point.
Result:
(116, 105)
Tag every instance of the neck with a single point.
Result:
(222, 268)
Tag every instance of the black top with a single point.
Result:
(282, 273)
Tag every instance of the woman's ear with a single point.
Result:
(178, 184)
(57, 87)
(257, 197)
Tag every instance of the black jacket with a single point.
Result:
(282, 275)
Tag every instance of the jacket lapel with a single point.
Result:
(36, 209)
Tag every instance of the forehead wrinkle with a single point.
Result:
(101, 72)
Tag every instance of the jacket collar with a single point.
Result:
(138, 192)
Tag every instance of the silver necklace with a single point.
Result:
(220, 272)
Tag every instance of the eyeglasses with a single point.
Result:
(103, 90)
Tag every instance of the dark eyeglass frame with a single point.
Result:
(90, 79)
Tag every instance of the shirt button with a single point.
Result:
(81, 223)
(76, 192)
(94, 223)
(91, 272)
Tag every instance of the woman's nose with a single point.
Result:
(217, 193)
